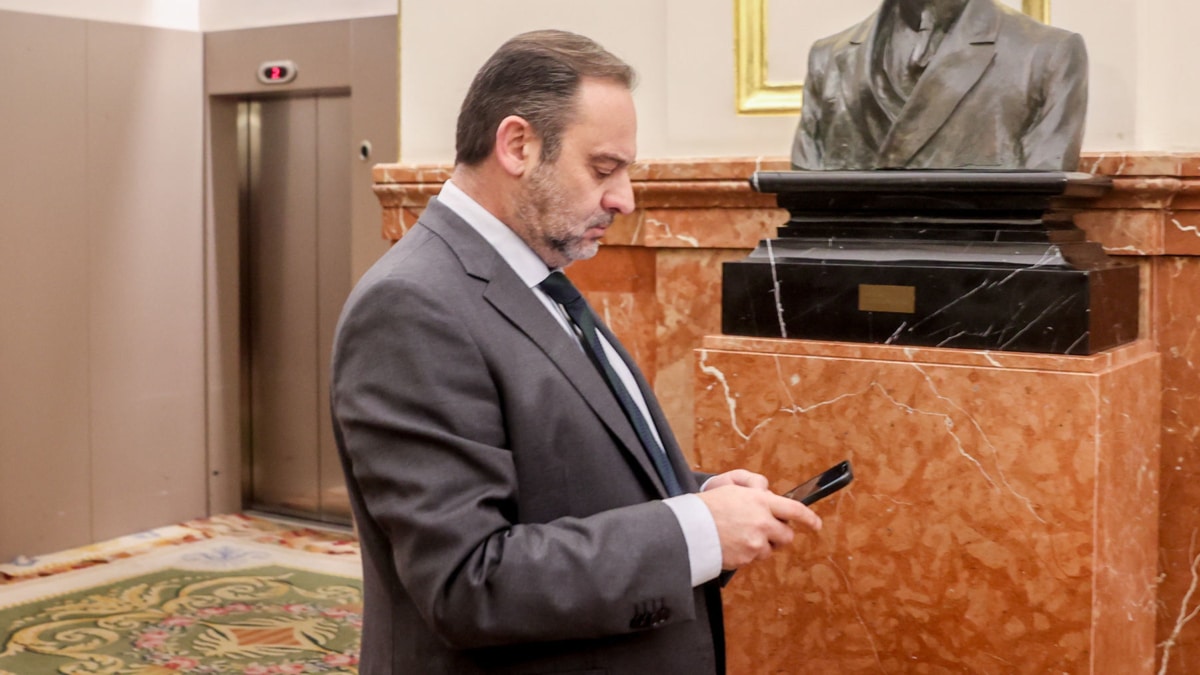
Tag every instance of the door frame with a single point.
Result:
(356, 55)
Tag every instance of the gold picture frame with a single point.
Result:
(756, 95)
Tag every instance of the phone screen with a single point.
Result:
(822, 485)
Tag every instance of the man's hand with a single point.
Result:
(738, 477)
(751, 520)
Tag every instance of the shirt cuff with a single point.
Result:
(700, 533)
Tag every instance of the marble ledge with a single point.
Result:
(1094, 363)
(727, 194)
(1141, 163)
(1116, 164)
(1142, 194)
(1141, 181)
(1153, 208)
(677, 169)
(1151, 192)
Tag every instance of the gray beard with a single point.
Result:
(543, 211)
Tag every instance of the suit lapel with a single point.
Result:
(516, 302)
(856, 81)
(965, 53)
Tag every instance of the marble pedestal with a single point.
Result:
(1003, 518)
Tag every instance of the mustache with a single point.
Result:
(601, 220)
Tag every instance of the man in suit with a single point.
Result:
(927, 84)
(521, 503)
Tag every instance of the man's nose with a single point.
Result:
(619, 197)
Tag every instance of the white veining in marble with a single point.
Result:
(778, 299)
(1184, 615)
(986, 440)
(896, 334)
(1186, 228)
(666, 227)
(1051, 309)
(730, 401)
(857, 611)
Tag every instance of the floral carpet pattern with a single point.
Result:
(225, 595)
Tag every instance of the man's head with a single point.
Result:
(545, 137)
(534, 76)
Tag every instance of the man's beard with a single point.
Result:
(545, 213)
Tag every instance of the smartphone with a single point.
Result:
(822, 485)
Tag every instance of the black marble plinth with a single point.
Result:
(977, 260)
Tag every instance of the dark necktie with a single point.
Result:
(562, 291)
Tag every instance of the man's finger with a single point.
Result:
(792, 511)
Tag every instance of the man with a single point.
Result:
(515, 515)
(929, 84)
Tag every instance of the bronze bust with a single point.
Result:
(930, 84)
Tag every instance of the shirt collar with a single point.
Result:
(507, 243)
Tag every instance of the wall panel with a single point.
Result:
(145, 286)
(45, 489)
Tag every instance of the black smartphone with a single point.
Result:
(822, 485)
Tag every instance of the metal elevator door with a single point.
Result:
(295, 205)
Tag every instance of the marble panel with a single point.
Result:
(705, 168)
(1127, 513)
(1181, 232)
(411, 173)
(970, 540)
(1124, 231)
(688, 294)
(619, 283)
(1188, 196)
(695, 227)
(710, 228)
(626, 230)
(1177, 284)
(1140, 192)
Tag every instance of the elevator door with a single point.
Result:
(295, 184)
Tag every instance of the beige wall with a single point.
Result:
(101, 296)
(1141, 88)
(119, 340)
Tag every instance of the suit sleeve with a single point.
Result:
(421, 423)
(1054, 136)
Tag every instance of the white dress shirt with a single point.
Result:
(699, 530)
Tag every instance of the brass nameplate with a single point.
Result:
(898, 299)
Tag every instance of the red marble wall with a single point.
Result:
(1153, 214)
(693, 214)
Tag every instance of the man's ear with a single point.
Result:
(517, 146)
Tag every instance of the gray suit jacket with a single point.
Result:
(508, 516)
(1003, 91)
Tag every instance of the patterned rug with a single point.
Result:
(229, 594)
